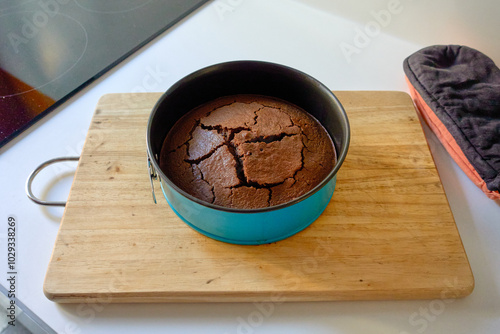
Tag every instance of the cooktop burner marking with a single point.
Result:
(46, 56)
(28, 40)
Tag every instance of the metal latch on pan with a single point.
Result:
(152, 176)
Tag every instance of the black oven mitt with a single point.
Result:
(457, 91)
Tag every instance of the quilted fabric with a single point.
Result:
(457, 91)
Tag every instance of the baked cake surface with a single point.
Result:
(247, 151)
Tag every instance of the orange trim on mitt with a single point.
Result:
(449, 142)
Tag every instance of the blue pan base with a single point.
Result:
(250, 228)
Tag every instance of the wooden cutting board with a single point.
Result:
(388, 232)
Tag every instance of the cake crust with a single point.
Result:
(247, 151)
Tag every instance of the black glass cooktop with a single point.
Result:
(50, 49)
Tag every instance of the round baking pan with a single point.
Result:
(248, 226)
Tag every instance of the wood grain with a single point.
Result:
(388, 232)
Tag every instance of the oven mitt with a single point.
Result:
(457, 91)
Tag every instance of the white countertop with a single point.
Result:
(308, 35)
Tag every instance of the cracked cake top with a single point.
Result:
(247, 151)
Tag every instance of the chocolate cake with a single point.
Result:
(247, 151)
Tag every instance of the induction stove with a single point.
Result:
(51, 49)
